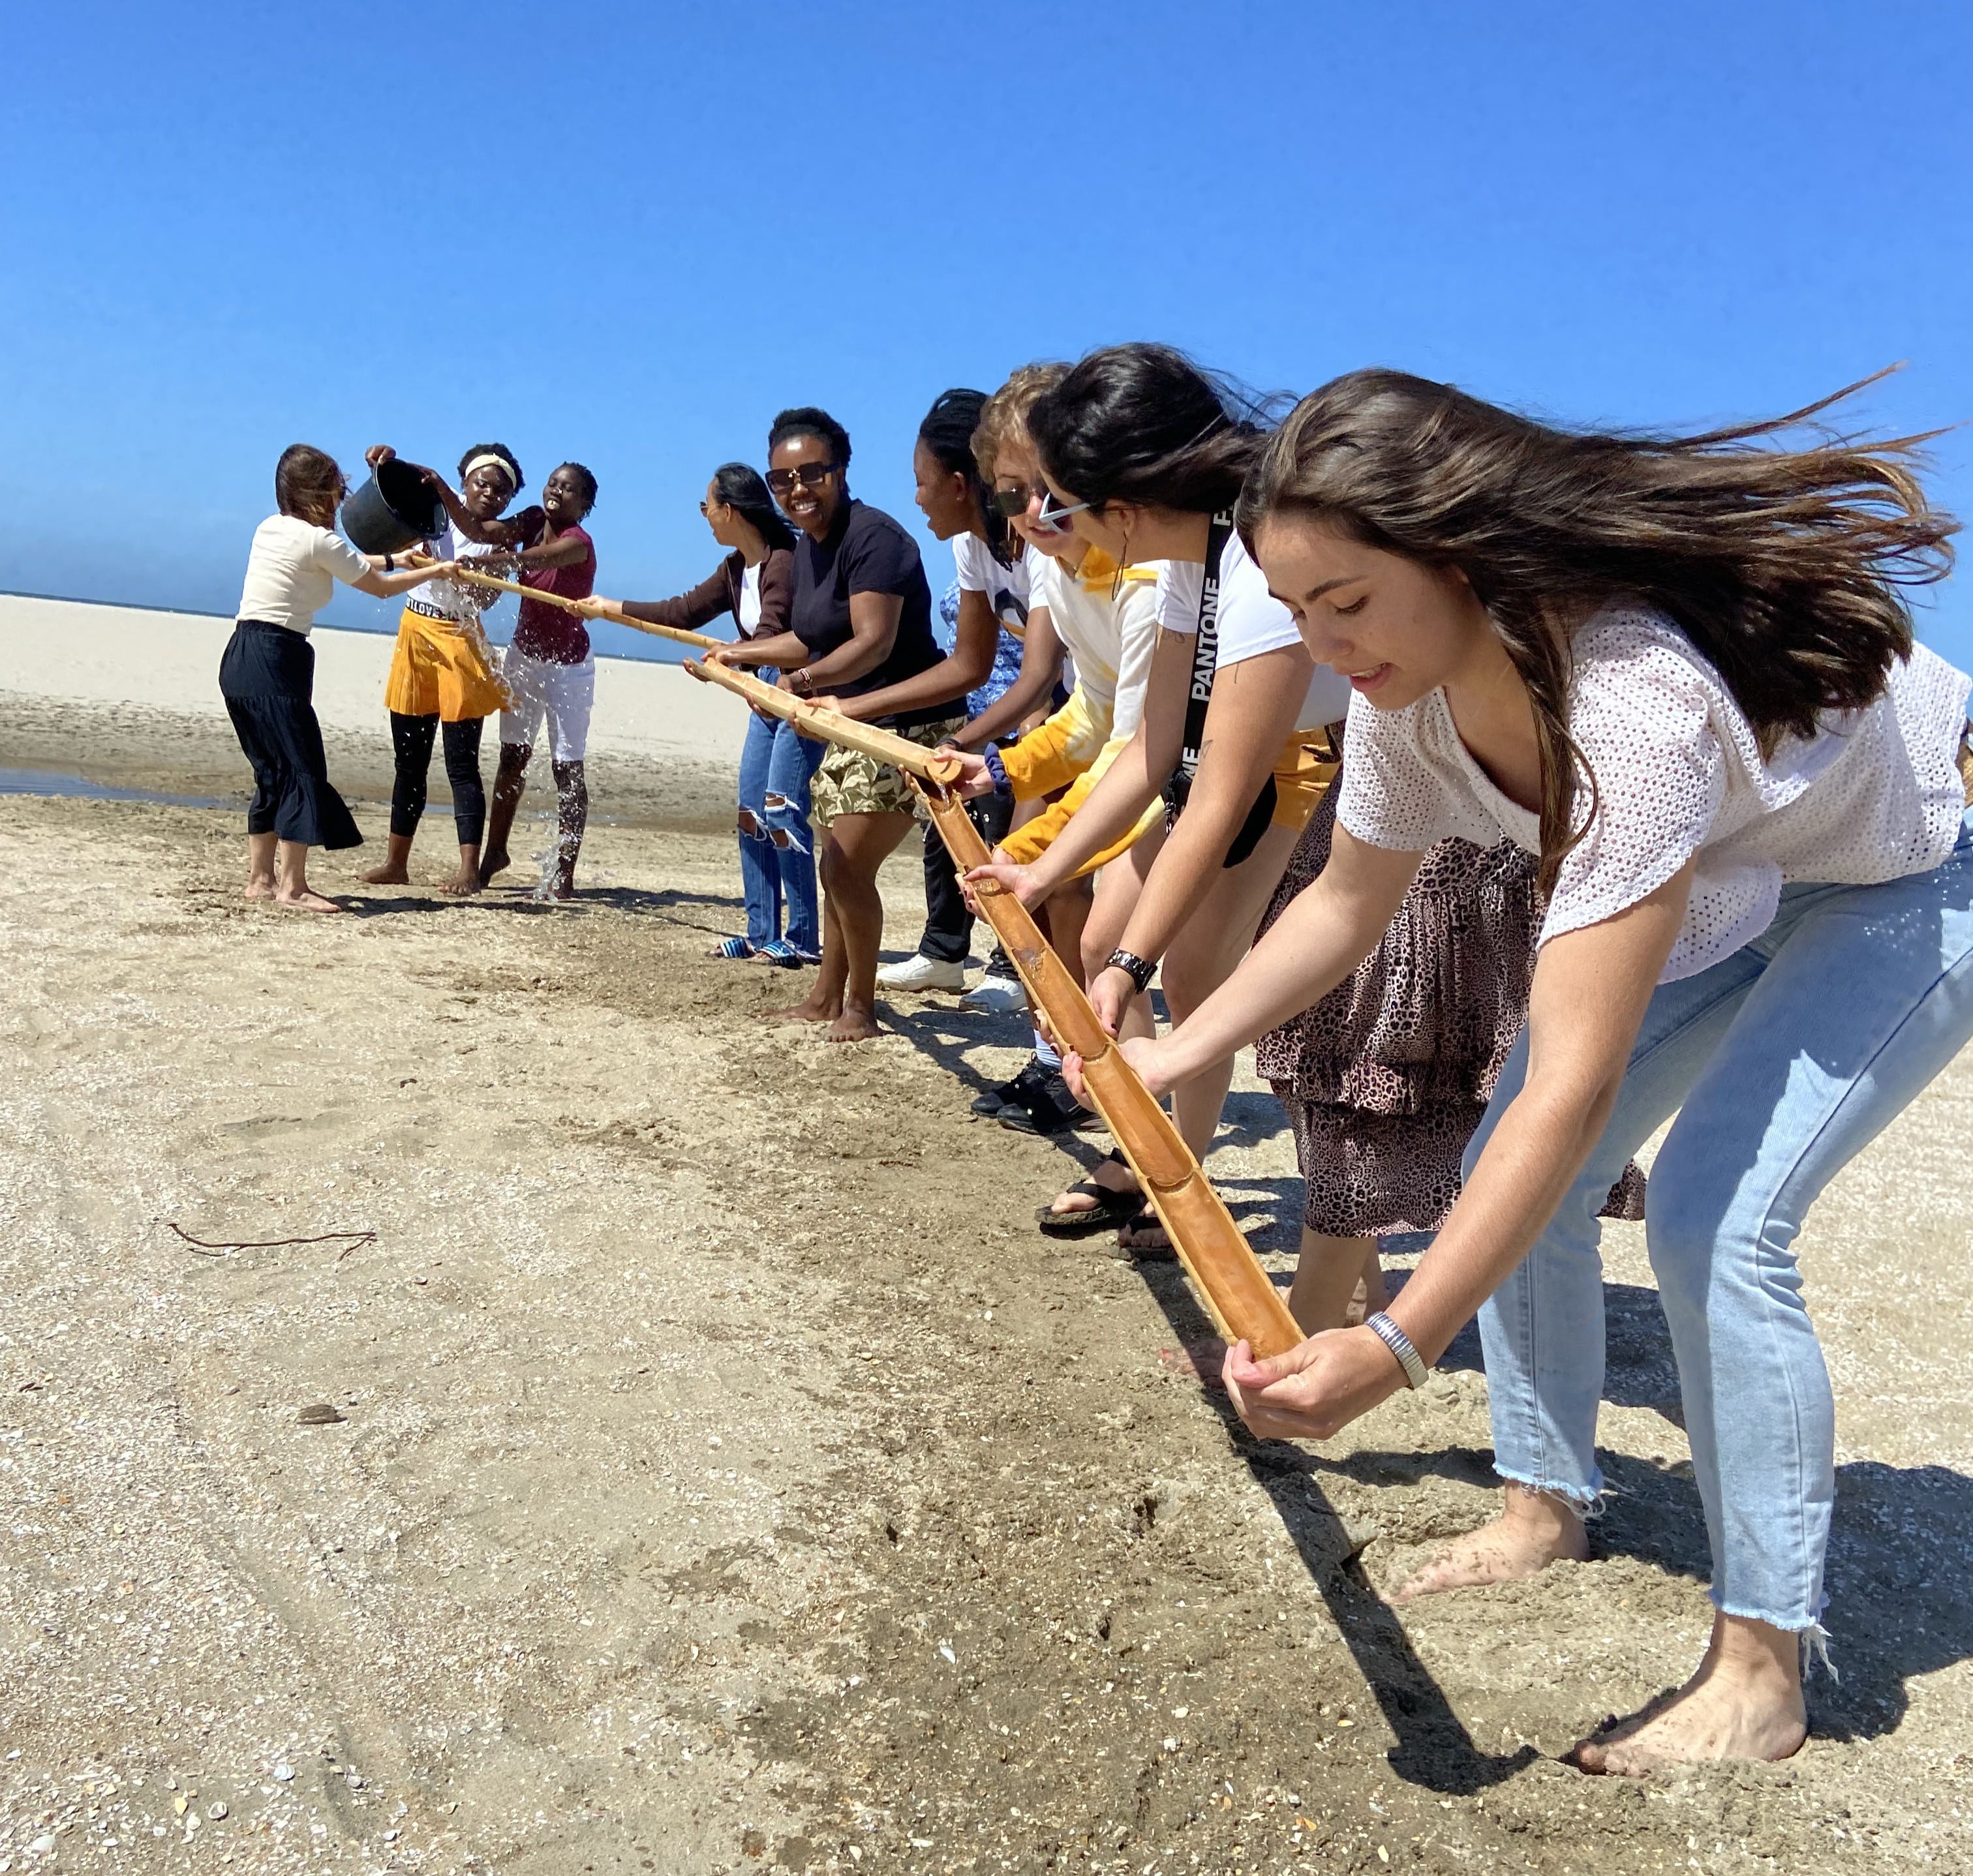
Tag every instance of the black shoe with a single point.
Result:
(1048, 1108)
(1010, 1094)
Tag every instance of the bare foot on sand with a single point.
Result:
(1744, 1703)
(1535, 1530)
(307, 900)
(461, 885)
(497, 861)
(388, 874)
(809, 1010)
(1200, 1360)
(260, 888)
(856, 1023)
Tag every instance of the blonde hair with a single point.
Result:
(1004, 418)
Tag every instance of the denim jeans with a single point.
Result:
(1782, 1062)
(778, 860)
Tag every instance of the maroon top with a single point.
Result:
(547, 632)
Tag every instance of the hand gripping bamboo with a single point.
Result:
(1216, 1254)
(461, 571)
(831, 726)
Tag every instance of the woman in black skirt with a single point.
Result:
(266, 674)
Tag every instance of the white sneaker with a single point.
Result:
(921, 972)
(995, 992)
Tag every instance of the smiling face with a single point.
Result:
(1395, 628)
(813, 504)
(1016, 466)
(944, 496)
(1108, 530)
(565, 500)
(486, 492)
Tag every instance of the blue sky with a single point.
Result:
(628, 233)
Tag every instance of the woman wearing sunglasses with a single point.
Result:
(755, 582)
(266, 674)
(1679, 672)
(859, 632)
(989, 632)
(1107, 618)
(1143, 455)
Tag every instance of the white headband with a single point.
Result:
(500, 462)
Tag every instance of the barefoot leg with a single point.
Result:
(823, 1004)
(1744, 1702)
(572, 821)
(1534, 1529)
(1327, 1278)
(466, 879)
(259, 866)
(510, 783)
(396, 869)
(291, 890)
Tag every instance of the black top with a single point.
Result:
(867, 552)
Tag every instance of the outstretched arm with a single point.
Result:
(1041, 665)
(1592, 988)
(1129, 785)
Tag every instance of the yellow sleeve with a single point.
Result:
(1052, 754)
(1026, 844)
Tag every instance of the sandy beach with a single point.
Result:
(473, 1397)
(130, 699)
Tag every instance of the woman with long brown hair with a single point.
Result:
(1681, 671)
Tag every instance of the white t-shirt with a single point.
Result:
(1111, 640)
(1006, 587)
(1251, 621)
(293, 570)
(749, 614)
(1875, 795)
(452, 600)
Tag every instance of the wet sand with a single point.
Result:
(725, 1475)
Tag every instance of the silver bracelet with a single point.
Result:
(1399, 1344)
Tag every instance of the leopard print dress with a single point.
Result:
(1385, 1079)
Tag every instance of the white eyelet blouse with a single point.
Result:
(1874, 796)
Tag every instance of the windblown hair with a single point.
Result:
(947, 433)
(585, 480)
(1142, 423)
(305, 477)
(1783, 565)
(805, 419)
(1004, 416)
(505, 454)
(741, 486)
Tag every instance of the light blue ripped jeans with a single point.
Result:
(777, 845)
(1782, 1062)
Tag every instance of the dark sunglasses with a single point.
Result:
(811, 475)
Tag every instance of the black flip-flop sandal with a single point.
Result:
(1145, 1219)
(1111, 1210)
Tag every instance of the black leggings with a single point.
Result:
(411, 738)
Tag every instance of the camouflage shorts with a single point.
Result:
(849, 782)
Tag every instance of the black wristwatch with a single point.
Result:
(389, 563)
(1140, 970)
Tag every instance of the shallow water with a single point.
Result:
(53, 782)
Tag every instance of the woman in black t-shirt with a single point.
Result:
(860, 627)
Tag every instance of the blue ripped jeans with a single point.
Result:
(777, 857)
(1782, 1063)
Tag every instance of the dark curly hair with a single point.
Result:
(505, 454)
(583, 476)
(804, 420)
